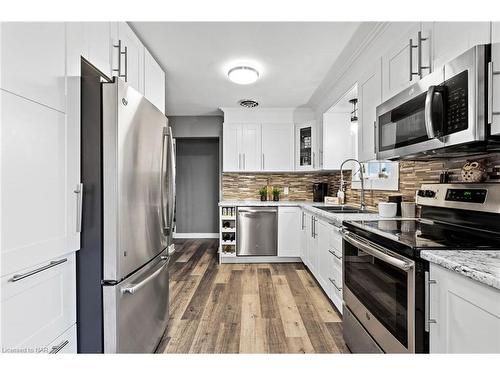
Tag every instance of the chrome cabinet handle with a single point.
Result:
(31, 273)
(314, 160)
(302, 222)
(135, 288)
(411, 46)
(79, 194)
(419, 43)
(120, 53)
(335, 285)
(427, 312)
(334, 254)
(263, 163)
(57, 348)
(126, 64)
(244, 161)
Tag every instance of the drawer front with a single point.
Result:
(39, 307)
(336, 239)
(64, 344)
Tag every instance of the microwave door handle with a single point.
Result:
(429, 126)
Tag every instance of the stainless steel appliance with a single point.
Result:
(257, 231)
(386, 280)
(447, 113)
(128, 171)
(320, 190)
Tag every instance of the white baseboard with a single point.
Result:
(196, 235)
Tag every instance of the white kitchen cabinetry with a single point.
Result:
(306, 151)
(242, 147)
(401, 64)
(39, 307)
(495, 90)
(39, 205)
(466, 314)
(33, 61)
(154, 81)
(289, 231)
(128, 58)
(450, 39)
(338, 140)
(336, 278)
(99, 48)
(305, 238)
(369, 97)
(64, 344)
(323, 266)
(277, 147)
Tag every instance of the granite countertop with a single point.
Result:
(479, 265)
(336, 218)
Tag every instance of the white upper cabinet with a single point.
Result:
(450, 39)
(306, 155)
(495, 90)
(39, 205)
(99, 48)
(33, 61)
(277, 147)
(338, 140)
(128, 58)
(464, 314)
(241, 147)
(369, 97)
(154, 81)
(407, 61)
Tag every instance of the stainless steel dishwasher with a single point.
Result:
(257, 232)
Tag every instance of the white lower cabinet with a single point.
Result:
(289, 231)
(464, 312)
(38, 304)
(64, 344)
(305, 239)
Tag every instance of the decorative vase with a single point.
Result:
(263, 198)
(276, 198)
(474, 171)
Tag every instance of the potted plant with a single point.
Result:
(263, 193)
(276, 194)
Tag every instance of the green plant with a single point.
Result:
(276, 191)
(263, 191)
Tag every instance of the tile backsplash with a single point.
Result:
(240, 186)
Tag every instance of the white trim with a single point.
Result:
(196, 235)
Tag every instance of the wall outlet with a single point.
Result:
(286, 190)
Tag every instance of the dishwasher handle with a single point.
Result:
(257, 210)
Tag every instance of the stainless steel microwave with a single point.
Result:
(445, 114)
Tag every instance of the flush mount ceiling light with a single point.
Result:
(243, 75)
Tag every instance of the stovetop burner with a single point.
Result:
(420, 234)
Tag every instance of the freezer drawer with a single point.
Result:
(136, 309)
(257, 231)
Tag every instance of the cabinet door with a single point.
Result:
(396, 63)
(305, 153)
(277, 147)
(369, 97)
(132, 63)
(289, 231)
(39, 308)
(64, 344)
(450, 39)
(231, 148)
(251, 143)
(39, 206)
(305, 235)
(466, 314)
(99, 45)
(339, 142)
(33, 61)
(495, 91)
(322, 265)
(154, 81)
(314, 249)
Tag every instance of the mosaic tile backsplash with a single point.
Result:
(241, 186)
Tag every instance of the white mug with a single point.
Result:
(387, 209)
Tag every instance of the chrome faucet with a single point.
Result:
(362, 200)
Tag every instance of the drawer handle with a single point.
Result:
(31, 273)
(57, 348)
(335, 285)
(334, 254)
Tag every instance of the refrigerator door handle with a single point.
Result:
(162, 183)
(132, 289)
(171, 191)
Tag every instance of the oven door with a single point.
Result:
(379, 289)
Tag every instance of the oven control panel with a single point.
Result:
(466, 195)
(426, 193)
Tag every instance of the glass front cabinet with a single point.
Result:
(306, 157)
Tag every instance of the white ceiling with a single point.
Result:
(293, 59)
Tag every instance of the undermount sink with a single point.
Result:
(343, 209)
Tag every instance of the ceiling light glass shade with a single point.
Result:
(243, 75)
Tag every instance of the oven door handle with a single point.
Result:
(381, 254)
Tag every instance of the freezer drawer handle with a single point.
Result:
(31, 273)
(58, 348)
(135, 288)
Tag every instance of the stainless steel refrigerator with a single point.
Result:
(128, 172)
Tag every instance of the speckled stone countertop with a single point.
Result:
(336, 218)
(482, 266)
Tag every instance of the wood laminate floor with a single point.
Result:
(246, 308)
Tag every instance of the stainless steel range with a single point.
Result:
(386, 281)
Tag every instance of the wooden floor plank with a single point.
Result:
(246, 308)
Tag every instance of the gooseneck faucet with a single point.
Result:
(362, 199)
